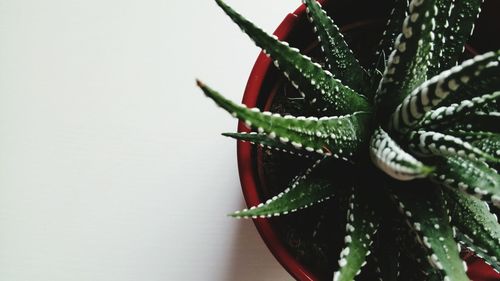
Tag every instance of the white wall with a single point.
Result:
(111, 163)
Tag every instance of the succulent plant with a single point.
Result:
(417, 132)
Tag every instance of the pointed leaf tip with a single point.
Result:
(337, 136)
(339, 58)
(314, 83)
(389, 157)
(267, 142)
(199, 83)
(310, 188)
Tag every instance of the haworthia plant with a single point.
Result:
(419, 125)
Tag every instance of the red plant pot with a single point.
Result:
(261, 88)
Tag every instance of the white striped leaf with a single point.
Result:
(430, 143)
(469, 176)
(448, 116)
(389, 157)
(471, 136)
(446, 87)
(408, 62)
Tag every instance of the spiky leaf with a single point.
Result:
(388, 247)
(489, 144)
(310, 188)
(265, 141)
(316, 84)
(361, 226)
(415, 265)
(393, 28)
(424, 207)
(430, 143)
(469, 245)
(470, 176)
(335, 136)
(407, 65)
(481, 121)
(471, 136)
(442, 23)
(459, 83)
(338, 57)
(388, 156)
(462, 16)
(446, 116)
(475, 222)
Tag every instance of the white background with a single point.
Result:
(111, 162)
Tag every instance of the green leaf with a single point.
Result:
(470, 79)
(469, 244)
(362, 224)
(480, 121)
(414, 264)
(450, 115)
(315, 84)
(339, 136)
(475, 222)
(442, 24)
(393, 28)
(304, 191)
(487, 82)
(425, 209)
(389, 157)
(489, 144)
(461, 24)
(430, 143)
(265, 141)
(338, 56)
(470, 176)
(407, 64)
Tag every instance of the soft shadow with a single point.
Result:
(250, 259)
